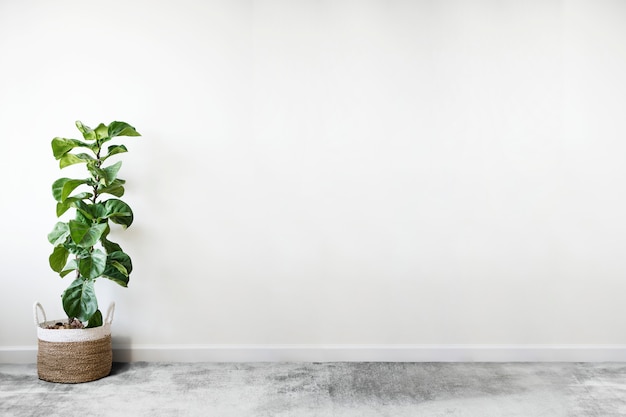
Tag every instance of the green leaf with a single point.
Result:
(71, 159)
(116, 188)
(80, 217)
(58, 259)
(70, 186)
(94, 212)
(84, 210)
(119, 212)
(122, 258)
(102, 131)
(109, 246)
(114, 150)
(70, 201)
(93, 265)
(96, 172)
(63, 207)
(57, 188)
(85, 235)
(79, 251)
(61, 146)
(87, 132)
(79, 299)
(118, 268)
(95, 320)
(70, 266)
(98, 210)
(63, 187)
(110, 172)
(80, 196)
(122, 129)
(59, 234)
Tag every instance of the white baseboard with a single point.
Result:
(346, 353)
(18, 354)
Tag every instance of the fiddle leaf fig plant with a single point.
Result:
(81, 245)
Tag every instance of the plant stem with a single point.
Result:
(98, 165)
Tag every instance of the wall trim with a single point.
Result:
(18, 354)
(346, 353)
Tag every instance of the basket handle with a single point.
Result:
(110, 313)
(36, 308)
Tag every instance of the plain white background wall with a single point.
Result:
(331, 172)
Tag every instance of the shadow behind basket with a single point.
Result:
(73, 355)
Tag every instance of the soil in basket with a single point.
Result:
(74, 324)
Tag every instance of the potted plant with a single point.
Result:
(79, 349)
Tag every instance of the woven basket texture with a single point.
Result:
(71, 335)
(74, 362)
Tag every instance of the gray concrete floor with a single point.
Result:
(324, 389)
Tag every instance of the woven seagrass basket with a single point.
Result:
(72, 356)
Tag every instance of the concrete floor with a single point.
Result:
(324, 389)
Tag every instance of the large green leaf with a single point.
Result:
(71, 159)
(80, 196)
(116, 273)
(87, 132)
(114, 150)
(118, 268)
(79, 299)
(59, 234)
(63, 187)
(79, 251)
(57, 188)
(80, 217)
(58, 258)
(122, 129)
(110, 172)
(90, 211)
(63, 207)
(61, 146)
(84, 209)
(109, 246)
(93, 265)
(119, 212)
(116, 188)
(70, 266)
(97, 173)
(95, 320)
(123, 259)
(70, 186)
(98, 210)
(86, 235)
(70, 201)
(102, 132)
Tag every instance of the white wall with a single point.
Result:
(331, 172)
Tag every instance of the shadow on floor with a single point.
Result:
(119, 368)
